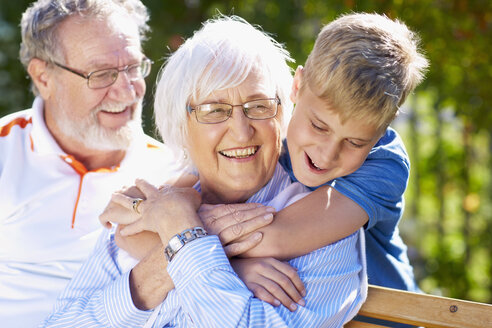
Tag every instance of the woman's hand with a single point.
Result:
(138, 245)
(272, 281)
(117, 213)
(235, 224)
(167, 210)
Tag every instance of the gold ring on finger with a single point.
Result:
(136, 202)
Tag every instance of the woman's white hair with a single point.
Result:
(218, 56)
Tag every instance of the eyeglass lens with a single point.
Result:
(106, 77)
(217, 112)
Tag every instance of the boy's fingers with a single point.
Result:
(287, 277)
(277, 291)
(262, 294)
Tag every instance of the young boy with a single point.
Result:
(362, 68)
(339, 143)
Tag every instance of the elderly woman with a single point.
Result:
(220, 101)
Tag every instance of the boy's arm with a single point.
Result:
(321, 218)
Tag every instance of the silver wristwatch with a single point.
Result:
(181, 239)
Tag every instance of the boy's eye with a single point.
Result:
(355, 144)
(316, 127)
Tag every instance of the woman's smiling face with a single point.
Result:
(237, 157)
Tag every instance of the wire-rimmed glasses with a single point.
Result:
(105, 77)
(259, 109)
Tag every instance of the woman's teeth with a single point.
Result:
(239, 153)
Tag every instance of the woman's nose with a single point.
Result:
(240, 125)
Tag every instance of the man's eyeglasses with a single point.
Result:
(105, 77)
(260, 109)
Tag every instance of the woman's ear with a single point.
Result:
(296, 84)
(39, 72)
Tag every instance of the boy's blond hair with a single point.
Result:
(364, 66)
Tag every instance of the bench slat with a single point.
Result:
(360, 324)
(423, 310)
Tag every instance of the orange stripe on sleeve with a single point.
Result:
(149, 145)
(22, 122)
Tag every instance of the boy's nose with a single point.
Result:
(329, 152)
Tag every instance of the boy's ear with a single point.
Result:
(38, 71)
(296, 84)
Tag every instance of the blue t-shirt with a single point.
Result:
(378, 186)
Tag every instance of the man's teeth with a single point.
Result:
(114, 109)
(239, 153)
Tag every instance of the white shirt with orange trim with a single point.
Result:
(43, 191)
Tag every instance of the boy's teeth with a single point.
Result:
(239, 153)
(316, 166)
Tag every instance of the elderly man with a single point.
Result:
(82, 139)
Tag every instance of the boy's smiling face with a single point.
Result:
(321, 147)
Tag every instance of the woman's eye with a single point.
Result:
(216, 112)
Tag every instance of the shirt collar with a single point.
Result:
(43, 141)
(279, 181)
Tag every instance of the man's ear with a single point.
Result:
(296, 84)
(39, 72)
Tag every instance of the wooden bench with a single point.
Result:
(422, 310)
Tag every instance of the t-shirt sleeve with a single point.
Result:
(378, 185)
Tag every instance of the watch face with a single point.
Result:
(175, 243)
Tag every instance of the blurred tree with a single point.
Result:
(14, 84)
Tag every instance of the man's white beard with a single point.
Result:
(94, 136)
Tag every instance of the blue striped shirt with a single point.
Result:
(207, 291)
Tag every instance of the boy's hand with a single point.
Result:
(272, 281)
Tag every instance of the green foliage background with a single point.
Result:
(446, 125)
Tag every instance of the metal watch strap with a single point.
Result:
(179, 240)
